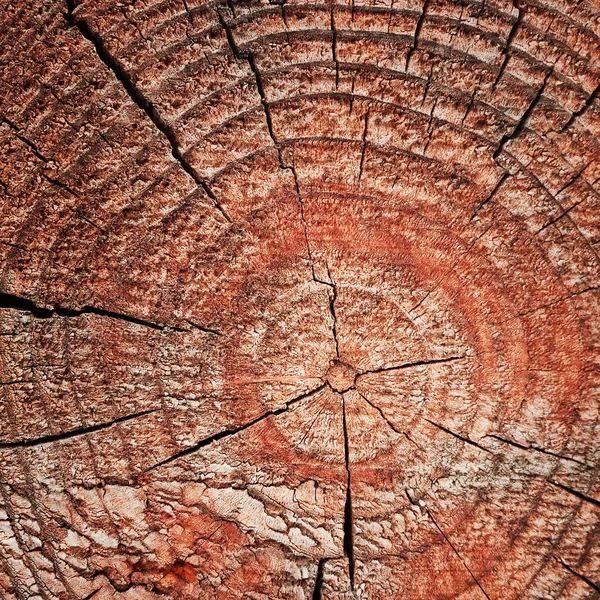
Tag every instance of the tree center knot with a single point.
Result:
(340, 376)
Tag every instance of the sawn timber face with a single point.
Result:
(299, 300)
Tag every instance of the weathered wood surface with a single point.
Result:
(299, 301)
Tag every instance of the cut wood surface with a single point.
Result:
(299, 301)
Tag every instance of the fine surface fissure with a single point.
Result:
(332, 299)
(458, 436)
(409, 365)
(586, 106)
(538, 449)
(579, 575)
(457, 554)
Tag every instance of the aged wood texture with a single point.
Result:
(299, 300)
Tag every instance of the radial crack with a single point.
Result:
(412, 364)
(586, 105)
(457, 554)
(575, 493)
(554, 303)
(229, 432)
(516, 132)
(364, 146)
(138, 97)
(458, 436)
(334, 48)
(23, 304)
(509, 40)
(557, 219)
(583, 578)
(538, 449)
(417, 33)
(204, 329)
(250, 59)
(348, 518)
(317, 590)
(292, 169)
(47, 439)
(332, 299)
(390, 424)
(25, 140)
(452, 268)
(490, 195)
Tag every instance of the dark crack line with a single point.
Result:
(412, 364)
(459, 437)
(490, 196)
(586, 105)
(292, 169)
(516, 132)
(47, 439)
(318, 589)
(229, 432)
(426, 89)
(417, 34)
(204, 329)
(457, 554)
(12, 245)
(250, 59)
(61, 185)
(389, 423)
(334, 48)
(538, 449)
(452, 268)
(554, 303)
(332, 299)
(309, 428)
(509, 40)
(583, 578)
(557, 219)
(78, 213)
(348, 518)
(429, 127)
(470, 105)
(575, 493)
(137, 96)
(574, 178)
(23, 304)
(190, 15)
(16, 131)
(364, 146)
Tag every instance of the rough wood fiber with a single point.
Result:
(299, 300)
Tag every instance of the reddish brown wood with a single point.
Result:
(299, 300)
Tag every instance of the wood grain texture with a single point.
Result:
(299, 301)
